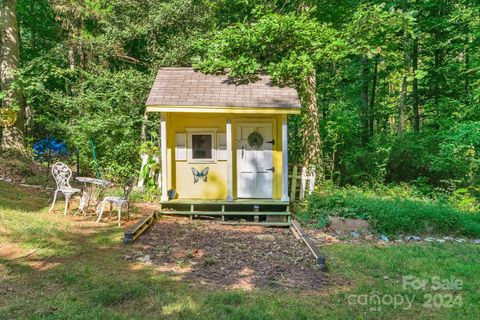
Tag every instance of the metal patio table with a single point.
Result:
(92, 191)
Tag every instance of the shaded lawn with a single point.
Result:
(79, 272)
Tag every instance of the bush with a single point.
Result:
(458, 160)
(390, 210)
(105, 107)
(410, 156)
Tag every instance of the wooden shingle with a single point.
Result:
(188, 87)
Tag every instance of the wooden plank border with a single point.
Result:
(138, 228)
(319, 257)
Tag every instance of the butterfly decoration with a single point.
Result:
(197, 175)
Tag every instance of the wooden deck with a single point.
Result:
(269, 212)
(234, 202)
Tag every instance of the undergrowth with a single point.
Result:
(390, 210)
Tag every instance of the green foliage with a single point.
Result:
(151, 170)
(285, 46)
(410, 156)
(459, 156)
(467, 199)
(108, 112)
(391, 211)
(376, 30)
(86, 67)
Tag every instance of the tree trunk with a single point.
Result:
(403, 95)
(143, 128)
(364, 98)
(13, 135)
(402, 105)
(415, 98)
(372, 97)
(71, 57)
(467, 79)
(437, 74)
(312, 141)
(436, 86)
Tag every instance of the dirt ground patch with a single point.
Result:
(228, 256)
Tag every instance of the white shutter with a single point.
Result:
(222, 146)
(181, 146)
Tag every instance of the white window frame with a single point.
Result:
(205, 131)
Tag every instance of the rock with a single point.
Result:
(145, 259)
(345, 224)
(384, 238)
(429, 239)
(369, 237)
(459, 240)
(448, 238)
(127, 257)
(476, 241)
(440, 240)
(265, 237)
(355, 235)
(413, 238)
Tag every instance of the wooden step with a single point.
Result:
(229, 213)
(251, 223)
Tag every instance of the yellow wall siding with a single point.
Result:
(180, 175)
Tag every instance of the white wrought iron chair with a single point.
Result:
(119, 202)
(62, 174)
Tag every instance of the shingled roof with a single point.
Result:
(188, 87)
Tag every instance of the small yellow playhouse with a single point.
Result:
(222, 143)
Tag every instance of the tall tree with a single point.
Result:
(415, 97)
(365, 81)
(290, 48)
(374, 32)
(373, 95)
(13, 129)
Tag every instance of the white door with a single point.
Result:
(254, 160)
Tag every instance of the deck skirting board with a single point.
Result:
(273, 212)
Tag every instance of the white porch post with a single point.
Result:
(284, 158)
(229, 161)
(163, 146)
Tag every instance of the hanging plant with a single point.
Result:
(255, 140)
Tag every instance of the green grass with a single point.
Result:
(391, 211)
(83, 275)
